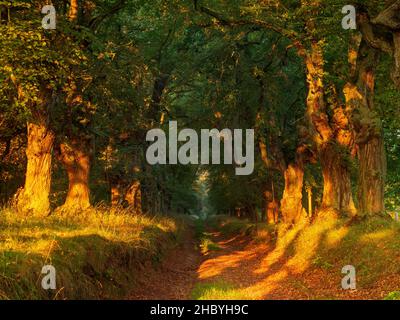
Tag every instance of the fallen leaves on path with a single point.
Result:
(255, 271)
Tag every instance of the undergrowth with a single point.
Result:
(97, 254)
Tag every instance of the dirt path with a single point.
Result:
(262, 271)
(176, 276)
(252, 270)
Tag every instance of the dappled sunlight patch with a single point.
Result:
(215, 266)
(334, 237)
(286, 236)
(263, 287)
(307, 244)
(378, 235)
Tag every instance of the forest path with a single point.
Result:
(241, 268)
(175, 278)
(245, 269)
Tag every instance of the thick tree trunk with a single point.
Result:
(372, 176)
(322, 133)
(332, 139)
(337, 182)
(369, 135)
(291, 203)
(77, 164)
(34, 197)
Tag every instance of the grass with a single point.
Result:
(219, 290)
(204, 238)
(230, 226)
(207, 245)
(95, 253)
(395, 295)
(371, 245)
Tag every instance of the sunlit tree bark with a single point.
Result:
(133, 196)
(291, 203)
(330, 137)
(369, 135)
(77, 164)
(34, 197)
(73, 11)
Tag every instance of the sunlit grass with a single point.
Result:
(395, 295)
(322, 245)
(207, 245)
(217, 291)
(85, 249)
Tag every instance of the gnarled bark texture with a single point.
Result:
(332, 138)
(372, 176)
(77, 164)
(337, 183)
(34, 197)
(369, 136)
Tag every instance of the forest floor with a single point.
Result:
(236, 265)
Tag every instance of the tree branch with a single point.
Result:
(389, 17)
(96, 21)
(376, 38)
(291, 35)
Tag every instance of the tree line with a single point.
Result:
(76, 104)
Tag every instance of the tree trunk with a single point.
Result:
(369, 134)
(271, 208)
(337, 182)
(133, 196)
(77, 164)
(372, 176)
(34, 197)
(333, 138)
(291, 203)
(115, 195)
(73, 10)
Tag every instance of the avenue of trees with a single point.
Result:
(76, 104)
